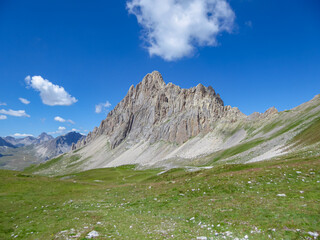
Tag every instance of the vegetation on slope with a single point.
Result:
(240, 148)
(310, 135)
(277, 199)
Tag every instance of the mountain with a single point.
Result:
(163, 125)
(58, 145)
(155, 111)
(26, 141)
(21, 152)
(4, 143)
(43, 137)
(19, 142)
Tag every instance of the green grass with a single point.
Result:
(124, 203)
(55, 164)
(294, 124)
(44, 165)
(310, 135)
(235, 150)
(271, 126)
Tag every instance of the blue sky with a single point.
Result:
(259, 54)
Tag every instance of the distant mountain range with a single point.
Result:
(17, 153)
(4, 143)
(53, 147)
(20, 142)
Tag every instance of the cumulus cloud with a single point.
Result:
(102, 106)
(24, 101)
(59, 131)
(173, 28)
(60, 119)
(51, 94)
(61, 128)
(3, 117)
(15, 113)
(22, 135)
(3, 104)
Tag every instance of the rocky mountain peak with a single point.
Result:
(154, 110)
(43, 137)
(152, 80)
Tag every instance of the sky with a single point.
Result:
(64, 64)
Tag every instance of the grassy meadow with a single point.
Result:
(277, 199)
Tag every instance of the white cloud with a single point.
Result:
(3, 117)
(61, 128)
(59, 131)
(50, 93)
(24, 101)
(3, 104)
(60, 119)
(17, 113)
(102, 106)
(22, 135)
(173, 28)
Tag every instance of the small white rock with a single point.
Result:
(281, 195)
(313, 234)
(202, 238)
(92, 234)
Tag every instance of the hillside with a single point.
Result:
(163, 125)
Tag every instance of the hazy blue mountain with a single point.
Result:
(4, 143)
(18, 153)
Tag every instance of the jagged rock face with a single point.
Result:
(156, 111)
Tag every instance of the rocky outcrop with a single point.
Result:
(256, 115)
(154, 111)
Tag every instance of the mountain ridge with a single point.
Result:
(5, 143)
(163, 125)
(29, 140)
(19, 153)
(152, 102)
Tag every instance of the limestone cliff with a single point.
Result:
(154, 110)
